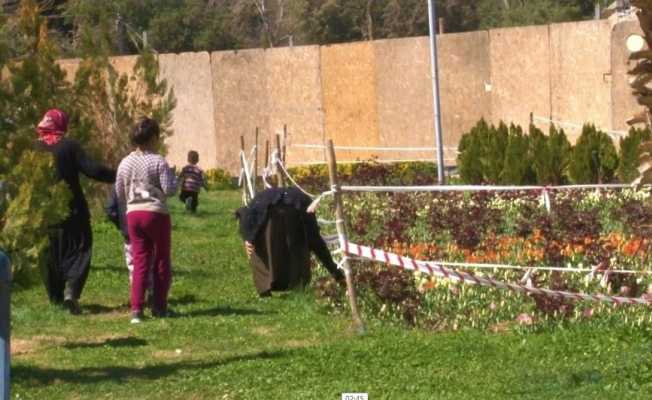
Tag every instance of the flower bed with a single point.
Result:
(584, 229)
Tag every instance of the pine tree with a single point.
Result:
(471, 149)
(630, 152)
(594, 158)
(493, 157)
(31, 199)
(517, 167)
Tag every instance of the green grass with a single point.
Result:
(229, 344)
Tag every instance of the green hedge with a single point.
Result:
(506, 155)
(219, 179)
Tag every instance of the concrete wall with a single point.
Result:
(240, 101)
(295, 89)
(580, 73)
(190, 76)
(404, 90)
(623, 104)
(379, 93)
(348, 77)
(520, 74)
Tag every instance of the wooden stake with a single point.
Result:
(280, 179)
(285, 140)
(266, 153)
(341, 231)
(242, 166)
(255, 171)
(442, 29)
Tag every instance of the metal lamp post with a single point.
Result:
(432, 13)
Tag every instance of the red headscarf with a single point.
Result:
(52, 127)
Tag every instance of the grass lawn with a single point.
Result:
(229, 344)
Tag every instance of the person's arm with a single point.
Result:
(92, 168)
(121, 198)
(167, 178)
(317, 245)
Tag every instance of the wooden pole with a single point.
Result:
(341, 231)
(280, 179)
(255, 171)
(266, 153)
(285, 140)
(442, 28)
(242, 166)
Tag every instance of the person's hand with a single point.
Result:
(249, 248)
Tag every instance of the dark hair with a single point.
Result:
(193, 157)
(144, 131)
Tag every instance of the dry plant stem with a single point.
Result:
(280, 179)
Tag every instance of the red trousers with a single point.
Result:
(150, 234)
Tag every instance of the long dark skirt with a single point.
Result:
(69, 260)
(282, 258)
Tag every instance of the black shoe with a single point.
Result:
(267, 293)
(72, 305)
(164, 314)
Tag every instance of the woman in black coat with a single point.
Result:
(71, 241)
(279, 235)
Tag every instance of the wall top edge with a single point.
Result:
(380, 41)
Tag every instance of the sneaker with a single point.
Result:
(72, 306)
(136, 317)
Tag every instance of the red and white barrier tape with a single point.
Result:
(431, 268)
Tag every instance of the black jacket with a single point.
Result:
(71, 160)
(253, 217)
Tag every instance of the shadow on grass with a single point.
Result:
(225, 311)
(113, 342)
(120, 374)
(184, 300)
(95, 309)
(175, 271)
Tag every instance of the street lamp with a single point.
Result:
(432, 14)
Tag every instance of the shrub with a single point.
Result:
(493, 153)
(470, 153)
(315, 177)
(594, 158)
(550, 155)
(36, 201)
(32, 200)
(219, 179)
(517, 167)
(630, 153)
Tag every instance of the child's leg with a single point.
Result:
(195, 201)
(141, 249)
(162, 236)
